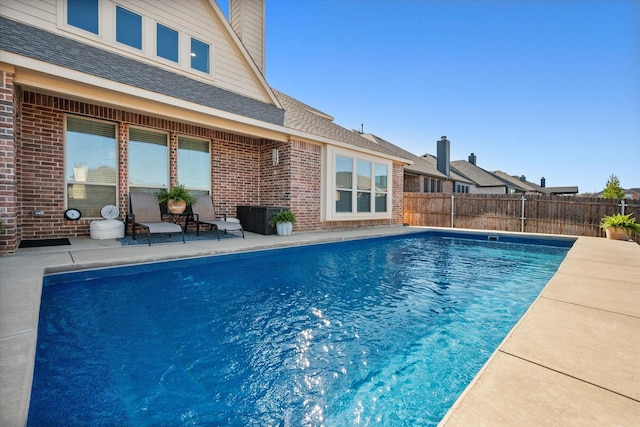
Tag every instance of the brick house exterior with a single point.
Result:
(44, 82)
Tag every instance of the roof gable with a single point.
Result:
(231, 67)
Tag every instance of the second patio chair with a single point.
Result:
(145, 212)
(203, 213)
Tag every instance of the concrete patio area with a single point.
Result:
(571, 360)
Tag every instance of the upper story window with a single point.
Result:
(128, 28)
(83, 14)
(167, 43)
(199, 56)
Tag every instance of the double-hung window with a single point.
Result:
(148, 160)
(364, 192)
(90, 165)
(128, 28)
(382, 190)
(83, 14)
(194, 165)
(344, 184)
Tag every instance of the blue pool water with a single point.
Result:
(374, 332)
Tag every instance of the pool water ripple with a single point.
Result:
(374, 332)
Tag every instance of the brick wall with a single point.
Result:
(413, 183)
(397, 204)
(40, 163)
(243, 172)
(306, 185)
(8, 189)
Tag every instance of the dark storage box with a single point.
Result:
(256, 218)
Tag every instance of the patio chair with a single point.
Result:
(203, 213)
(145, 212)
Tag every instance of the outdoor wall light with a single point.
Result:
(275, 156)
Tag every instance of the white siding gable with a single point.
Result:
(230, 67)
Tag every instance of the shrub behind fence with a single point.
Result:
(569, 215)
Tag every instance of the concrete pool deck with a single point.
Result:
(571, 360)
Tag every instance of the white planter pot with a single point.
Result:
(284, 228)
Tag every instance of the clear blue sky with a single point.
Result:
(535, 88)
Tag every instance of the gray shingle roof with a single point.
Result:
(481, 177)
(301, 117)
(39, 44)
(516, 182)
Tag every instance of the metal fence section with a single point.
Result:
(567, 215)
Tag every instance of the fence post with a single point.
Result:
(522, 216)
(452, 209)
(621, 204)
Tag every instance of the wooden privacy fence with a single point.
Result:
(569, 215)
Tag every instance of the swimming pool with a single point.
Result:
(373, 332)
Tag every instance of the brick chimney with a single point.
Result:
(443, 156)
(247, 18)
(472, 159)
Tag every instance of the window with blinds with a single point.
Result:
(90, 165)
(148, 160)
(194, 165)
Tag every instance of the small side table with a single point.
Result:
(177, 218)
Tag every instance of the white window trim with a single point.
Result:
(168, 140)
(114, 21)
(107, 36)
(208, 142)
(103, 13)
(117, 148)
(330, 205)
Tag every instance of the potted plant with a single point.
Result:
(283, 221)
(618, 226)
(177, 198)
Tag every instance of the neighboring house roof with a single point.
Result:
(479, 176)
(433, 161)
(518, 183)
(26, 40)
(562, 190)
(422, 165)
(301, 117)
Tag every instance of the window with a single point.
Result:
(90, 165)
(128, 28)
(364, 193)
(148, 160)
(194, 170)
(199, 56)
(433, 185)
(381, 187)
(461, 188)
(83, 14)
(364, 186)
(166, 43)
(344, 178)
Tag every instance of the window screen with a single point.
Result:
(148, 160)
(90, 165)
